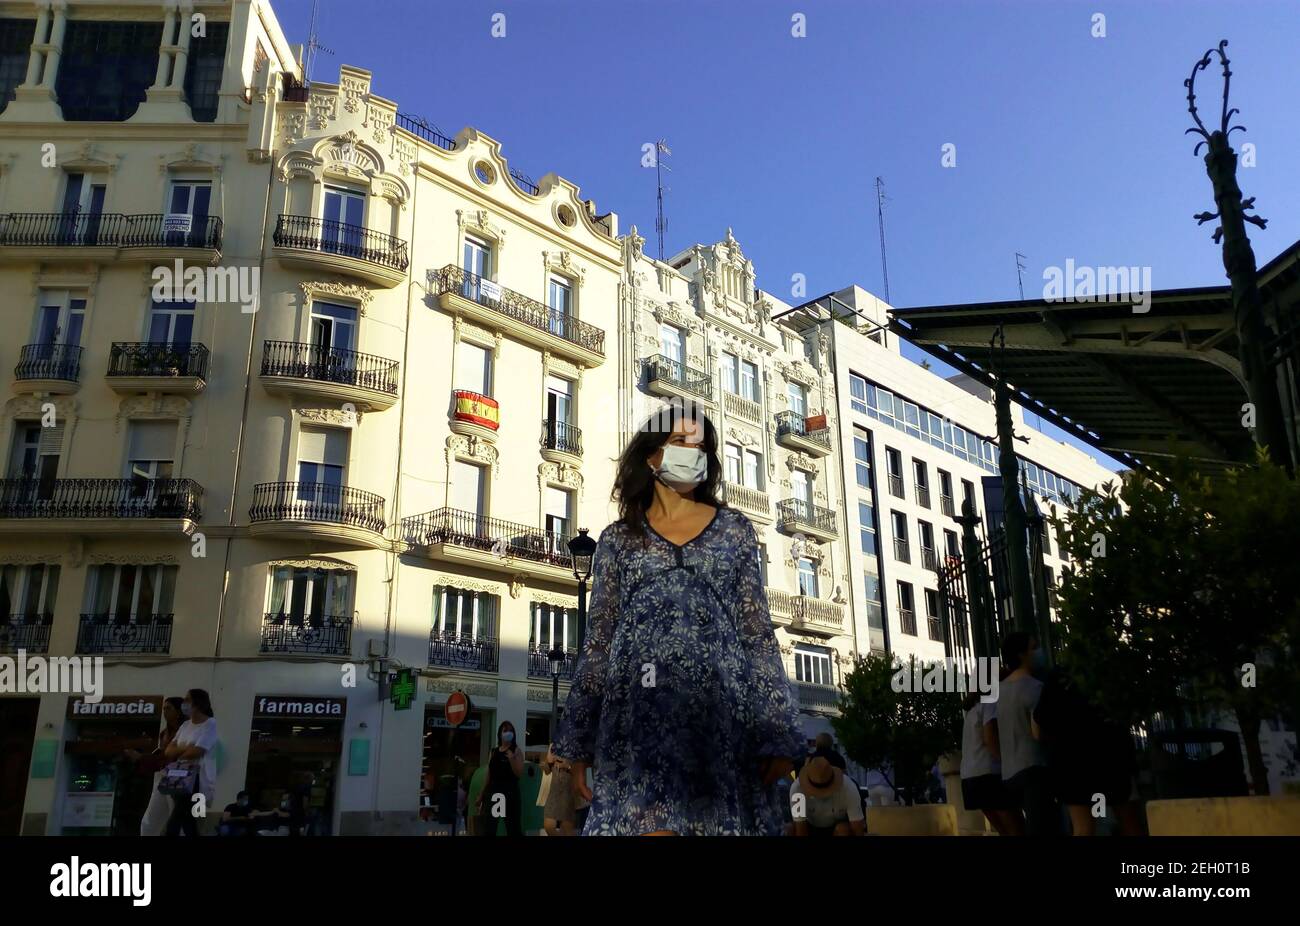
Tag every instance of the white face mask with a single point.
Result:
(682, 467)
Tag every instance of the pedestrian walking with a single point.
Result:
(686, 710)
(560, 814)
(501, 789)
(1024, 761)
(981, 768)
(153, 822)
(191, 750)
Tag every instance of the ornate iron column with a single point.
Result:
(1013, 515)
(1254, 334)
(984, 639)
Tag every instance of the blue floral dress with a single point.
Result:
(680, 690)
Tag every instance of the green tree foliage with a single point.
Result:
(1186, 592)
(901, 733)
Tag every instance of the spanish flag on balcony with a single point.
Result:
(479, 409)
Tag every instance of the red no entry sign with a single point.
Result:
(457, 708)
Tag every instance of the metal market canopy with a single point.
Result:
(1138, 387)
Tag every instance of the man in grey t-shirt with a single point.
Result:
(1024, 762)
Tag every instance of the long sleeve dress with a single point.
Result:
(679, 690)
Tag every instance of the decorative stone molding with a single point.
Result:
(480, 220)
(87, 158)
(336, 417)
(354, 85)
(322, 109)
(562, 262)
(407, 154)
(474, 689)
(30, 406)
(130, 559)
(554, 599)
(469, 585)
(156, 406)
(314, 564)
(347, 154)
(798, 460)
(472, 447)
(565, 474)
(190, 159)
(559, 366)
(316, 289)
(742, 437)
(517, 585)
(542, 695)
(672, 315)
(463, 330)
(293, 126)
(633, 246)
(30, 559)
(381, 121)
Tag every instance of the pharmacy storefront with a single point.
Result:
(104, 793)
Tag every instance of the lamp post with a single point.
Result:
(583, 550)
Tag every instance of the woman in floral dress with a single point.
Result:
(679, 700)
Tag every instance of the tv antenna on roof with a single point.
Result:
(880, 218)
(661, 223)
(313, 43)
(1020, 274)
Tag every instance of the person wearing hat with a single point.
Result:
(825, 802)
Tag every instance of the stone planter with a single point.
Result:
(920, 820)
(969, 822)
(1225, 816)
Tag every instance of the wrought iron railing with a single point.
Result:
(539, 663)
(106, 633)
(49, 361)
(896, 486)
(317, 501)
(946, 506)
(158, 358)
(479, 532)
(824, 697)
(30, 632)
(929, 559)
(696, 382)
(902, 550)
(471, 286)
(797, 425)
(562, 436)
(463, 651)
(798, 511)
(307, 233)
(922, 495)
(105, 229)
(525, 182)
(327, 635)
(907, 618)
(321, 363)
(133, 499)
(420, 127)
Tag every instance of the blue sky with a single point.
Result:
(1067, 145)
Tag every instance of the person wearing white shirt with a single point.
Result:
(194, 744)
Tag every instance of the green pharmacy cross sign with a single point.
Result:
(402, 689)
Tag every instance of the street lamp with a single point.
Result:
(583, 549)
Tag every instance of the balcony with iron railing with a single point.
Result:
(922, 494)
(157, 366)
(797, 514)
(539, 663)
(469, 538)
(817, 698)
(561, 442)
(488, 303)
(671, 378)
(805, 612)
(28, 632)
(107, 236)
(754, 502)
(907, 620)
(309, 635)
(902, 550)
(946, 506)
(929, 559)
(307, 241)
(474, 415)
(48, 368)
(99, 506)
(794, 432)
(104, 634)
(896, 486)
(322, 371)
(317, 511)
(463, 651)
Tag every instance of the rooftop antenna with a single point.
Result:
(880, 216)
(1020, 274)
(661, 223)
(313, 43)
